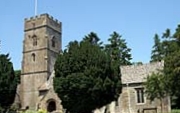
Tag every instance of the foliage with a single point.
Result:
(118, 49)
(169, 50)
(8, 81)
(1, 110)
(157, 53)
(175, 111)
(18, 75)
(85, 78)
(172, 65)
(156, 87)
(93, 39)
(42, 111)
(33, 111)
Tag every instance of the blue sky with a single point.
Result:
(136, 20)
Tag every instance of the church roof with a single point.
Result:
(139, 73)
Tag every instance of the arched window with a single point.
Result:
(34, 37)
(33, 57)
(53, 41)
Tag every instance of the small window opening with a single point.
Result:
(33, 57)
(53, 41)
(34, 37)
(140, 95)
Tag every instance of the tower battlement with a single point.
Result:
(42, 16)
(41, 21)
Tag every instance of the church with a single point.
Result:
(41, 46)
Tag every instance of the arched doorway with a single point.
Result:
(51, 105)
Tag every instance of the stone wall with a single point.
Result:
(133, 77)
(128, 101)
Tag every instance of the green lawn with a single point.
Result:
(175, 111)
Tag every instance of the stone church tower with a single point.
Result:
(41, 46)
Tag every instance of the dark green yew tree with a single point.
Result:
(84, 78)
(18, 75)
(92, 38)
(8, 82)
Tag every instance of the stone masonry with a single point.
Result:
(133, 98)
(41, 46)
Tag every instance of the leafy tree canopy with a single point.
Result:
(85, 78)
(118, 49)
(8, 81)
(156, 87)
(168, 49)
(157, 53)
(17, 75)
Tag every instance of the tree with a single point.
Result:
(7, 82)
(155, 87)
(172, 71)
(167, 34)
(157, 53)
(161, 49)
(118, 49)
(17, 75)
(172, 66)
(84, 77)
(92, 38)
(169, 51)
